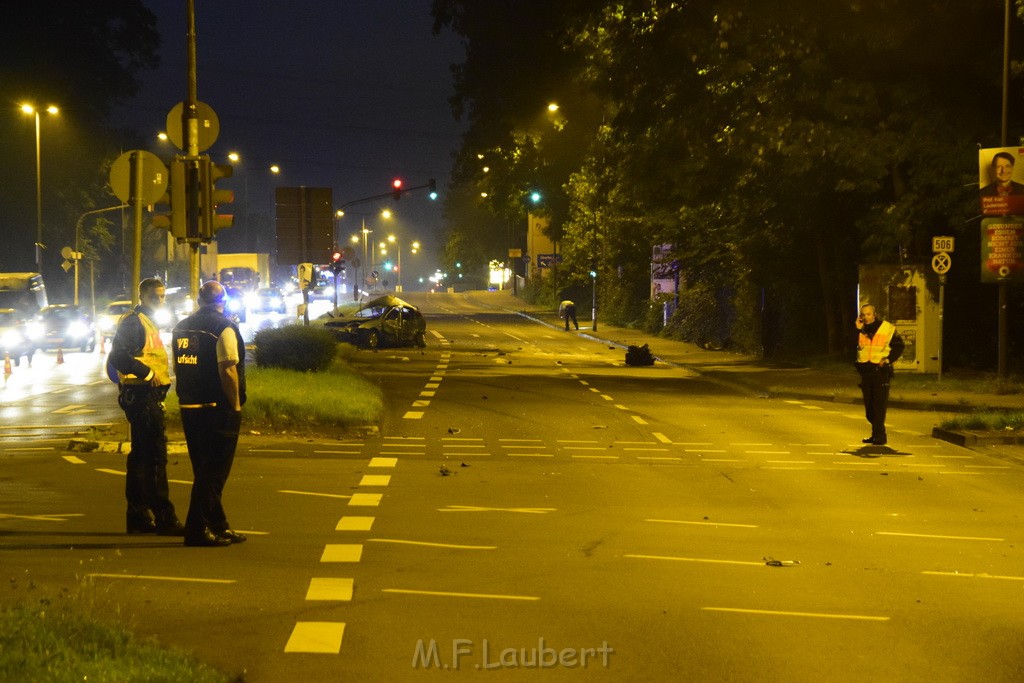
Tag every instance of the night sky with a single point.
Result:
(340, 94)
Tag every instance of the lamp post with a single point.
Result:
(273, 169)
(32, 109)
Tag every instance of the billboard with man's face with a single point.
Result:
(1000, 181)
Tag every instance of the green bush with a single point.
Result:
(295, 347)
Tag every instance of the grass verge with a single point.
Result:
(48, 641)
(981, 421)
(285, 400)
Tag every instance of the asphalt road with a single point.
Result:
(530, 503)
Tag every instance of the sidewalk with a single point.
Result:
(777, 380)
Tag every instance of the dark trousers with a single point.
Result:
(145, 485)
(570, 313)
(212, 436)
(874, 385)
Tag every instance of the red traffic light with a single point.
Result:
(336, 256)
(397, 185)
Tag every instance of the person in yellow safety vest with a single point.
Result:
(138, 355)
(879, 345)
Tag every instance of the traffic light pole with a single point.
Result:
(190, 129)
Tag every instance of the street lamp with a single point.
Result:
(33, 110)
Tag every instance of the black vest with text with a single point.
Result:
(195, 358)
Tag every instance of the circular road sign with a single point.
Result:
(154, 177)
(209, 126)
(941, 263)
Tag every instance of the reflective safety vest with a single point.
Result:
(875, 349)
(153, 355)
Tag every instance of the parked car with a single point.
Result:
(14, 341)
(63, 326)
(267, 300)
(235, 305)
(386, 320)
(110, 316)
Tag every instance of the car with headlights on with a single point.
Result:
(266, 300)
(111, 315)
(63, 326)
(14, 341)
(384, 321)
(234, 307)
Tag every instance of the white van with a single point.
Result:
(24, 292)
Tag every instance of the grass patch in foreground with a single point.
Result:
(48, 642)
(991, 420)
(301, 401)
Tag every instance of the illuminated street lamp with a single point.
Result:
(33, 110)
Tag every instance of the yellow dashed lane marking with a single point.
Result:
(316, 637)
(383, 462)
(330, 589)
(375, 480)
(365, 499)
(777, 613)
(352, 523)
(342, 552)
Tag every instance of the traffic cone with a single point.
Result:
(60, 355)
(7, 364)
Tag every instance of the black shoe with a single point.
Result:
(870, 439)
(232, 536)
(171, 527)
(206, 539)
(139, 524)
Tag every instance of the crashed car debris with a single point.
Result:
(384, 321)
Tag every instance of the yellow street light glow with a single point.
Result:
(553, 107)
(274, 168)
(355, 239)
(233, 156)
(386, 213)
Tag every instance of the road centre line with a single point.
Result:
(768, 452)
(354, 523)
(791, 462)
(312, 493)
(597, 457)
(474, 445)
(74, 460)
(375, 480)
(448, 594)
(939, 536)
(478, 508)
(271, 450)
(607, 397)
(705, 523)
(531, 455)
(342, 552)
(365, 499)
(336, 452)
(648, 450)
(652, 457)
(779, 613)
(697, 559)
(989, 467)
(454, 546)
(570, 440)
(975, 576)
(152, 577)
(60, 517)
(704, 450)
(579, 448)
(720, 459)
(955, 457)
(638, 419)
(749, 445)
(661, 437)
(694, 443)
(316, 637)
(621, 407)
(413, 415)
(523, 446)
(330, 588)
(468, 438)
(428, 394)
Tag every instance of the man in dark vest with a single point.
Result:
(138, 356)
(209, 364)
(879, 345)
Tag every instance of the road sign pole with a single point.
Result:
(136, 202)
(942, 309)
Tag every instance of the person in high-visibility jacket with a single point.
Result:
(879, 345)
(138, 355)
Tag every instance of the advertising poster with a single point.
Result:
(1001, 181)
(1002, 251)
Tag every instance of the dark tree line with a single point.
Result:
(776, 145)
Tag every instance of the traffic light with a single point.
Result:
(432, 187)
(397, 185)
(337, 262)
(174, 198)
(210, 198)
